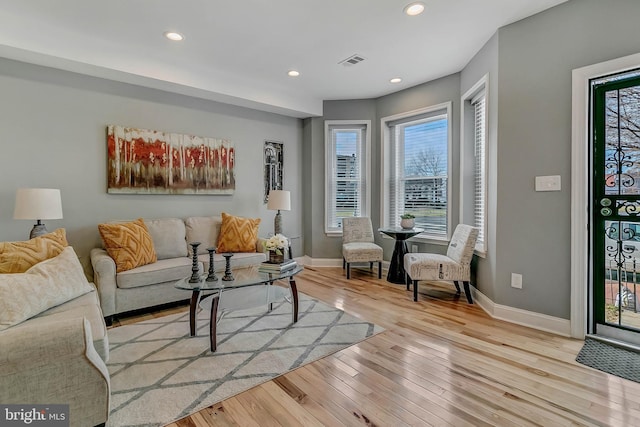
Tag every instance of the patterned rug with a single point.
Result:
(159, 374)
(611, 359)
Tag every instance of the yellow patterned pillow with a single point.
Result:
(238, 234)
(18, 257)
(128, 243)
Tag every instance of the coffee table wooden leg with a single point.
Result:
(294, 297)
(193, 306)
(213, 321)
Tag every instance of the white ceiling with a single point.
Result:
(239, 52)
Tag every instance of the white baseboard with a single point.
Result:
(321, 262)
(518, 316)
(531, 319)
(327, 262)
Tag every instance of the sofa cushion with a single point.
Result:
(163, 270)
(87, 306)
(128, 243)
(45, 285)
(168, 235)
(203, 229)
(238, 234)
(18, 257)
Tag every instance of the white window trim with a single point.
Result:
(480, 85)
(367, 160)
(385, 167)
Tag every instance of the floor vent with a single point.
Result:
(352, 60)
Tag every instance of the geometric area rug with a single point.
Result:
(611, 359)
(160, 374)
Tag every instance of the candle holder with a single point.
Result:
(195, 277)
(227, 268)
(212, 275)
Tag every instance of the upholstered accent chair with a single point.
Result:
(357, 244)
(454, 266)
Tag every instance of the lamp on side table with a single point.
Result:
(38, 204)
(279, 200)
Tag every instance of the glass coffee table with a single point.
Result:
(250, 288)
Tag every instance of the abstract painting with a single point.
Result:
(142, 161)
(272, 167)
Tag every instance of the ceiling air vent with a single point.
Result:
(352, 60)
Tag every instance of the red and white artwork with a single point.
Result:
(142, 161)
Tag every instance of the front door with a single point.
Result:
(615, 207)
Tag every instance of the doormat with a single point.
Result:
(610, 359)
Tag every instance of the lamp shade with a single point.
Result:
(279, 200)
(38, 203)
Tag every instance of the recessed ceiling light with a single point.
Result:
(413, 9)
(293, 73)
(172, 35)
(395, 80)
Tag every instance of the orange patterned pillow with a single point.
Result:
(128, 243)
(18, 257)
(238, 234)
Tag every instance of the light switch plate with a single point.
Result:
(548, 183)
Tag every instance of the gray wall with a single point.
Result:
(425, 95)
(536, 57)
(53, 134)
(319, 245)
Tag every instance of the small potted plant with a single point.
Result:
(407, 221)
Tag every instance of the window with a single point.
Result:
(474, 161)
(416, 174)
(347, 191)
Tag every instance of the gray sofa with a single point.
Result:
(59, 356)
(153, 284)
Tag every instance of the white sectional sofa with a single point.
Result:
(153, 284)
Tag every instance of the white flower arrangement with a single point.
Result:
(276, 243)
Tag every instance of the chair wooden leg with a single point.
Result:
(415, 290)
(344, 261)
(455, 282)
(379, 269)
(407, 280)
(348, 271)
(371, 265)
(467, 291)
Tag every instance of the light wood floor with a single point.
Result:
(439, 362)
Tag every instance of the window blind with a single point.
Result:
(347, 183)
(480, 176)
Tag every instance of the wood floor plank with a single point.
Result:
(440, 361)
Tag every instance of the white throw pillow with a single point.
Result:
(45, 285)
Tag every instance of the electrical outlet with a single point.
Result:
(414, 248)
(516, 280)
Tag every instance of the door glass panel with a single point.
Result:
(622, 273)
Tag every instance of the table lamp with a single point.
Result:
(38, 204)
(279, 200)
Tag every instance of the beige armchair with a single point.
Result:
(454, 266)
(357, 244)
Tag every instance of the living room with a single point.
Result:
(53, 133)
